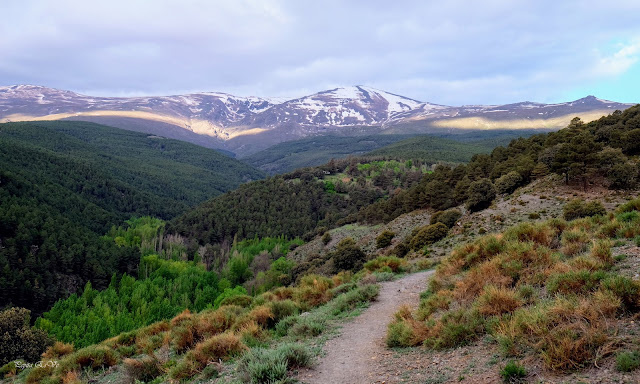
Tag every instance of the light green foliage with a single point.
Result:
(128, 303)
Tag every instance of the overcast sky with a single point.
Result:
(446, 52)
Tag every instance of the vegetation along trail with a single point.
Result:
(352, 357)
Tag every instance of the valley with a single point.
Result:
(169, 262)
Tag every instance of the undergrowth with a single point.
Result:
(545, 289)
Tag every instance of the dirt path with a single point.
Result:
(353, 357)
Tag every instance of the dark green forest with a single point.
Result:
(453, 148)
(439, 146)
(314, 151)
(279, 205)
(64, 184)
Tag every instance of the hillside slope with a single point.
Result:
(64, 184)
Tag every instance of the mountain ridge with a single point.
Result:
(245, 125)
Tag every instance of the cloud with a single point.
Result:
(453, 52)
(619, 62)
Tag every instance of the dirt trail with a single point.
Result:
(353, 357)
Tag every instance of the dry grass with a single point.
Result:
(544, 289)
(496, 301)
(57, 350)
(223, 346)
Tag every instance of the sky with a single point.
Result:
(446, 52)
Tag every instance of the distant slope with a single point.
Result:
(179, 174)
(317, 150)
(455, 148)
(64, 184)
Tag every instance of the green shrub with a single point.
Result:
(631, 205)
(578, 208)
(95, 357)
(326, 238)
(428, 235)
(307, 326)
(283, 326)
(508, 183)
(513, 372)
(480, 195)
(266, 366)
(400, 335)
(283, 309)
(624, 288)
(18, 340)
(384, 239)
(448, 217)
(573, 282)
(348, 256)
(239, 300)
(394, 264)
(353, 298)
(296, 355)
(263, 366)
(458, 328)
(628, 361)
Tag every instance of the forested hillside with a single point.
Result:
(449, 148)
(301, 203)
(64, 184)
(314, 151)
(604, 149)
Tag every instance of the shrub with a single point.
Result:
(513, 372)
(353, 298)
(144, 369)
(508, 183)
(404, 330)
(223, 346)
(496, 301)
(627, 361)
(448, 217)
(428, 235)
(263, 366)
(307, 326)
(239, 300)
(184, 370)
(283, 309)
(392, 263)
(95, 357)
(573, 282)
(57, 350)
(312, 291)
(348, 256)
(578, 208)
(326, 238)
(400, 334)
(182, 338)
(456, 328)
(629, 206)
(296, 355)
(283, 326)
(18, 340)
(627, 290)
(480, 195)
(384, 239)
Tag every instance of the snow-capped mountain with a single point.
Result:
(246, 124)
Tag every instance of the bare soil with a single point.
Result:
(354, 356)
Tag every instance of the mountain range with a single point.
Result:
(245, 125)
